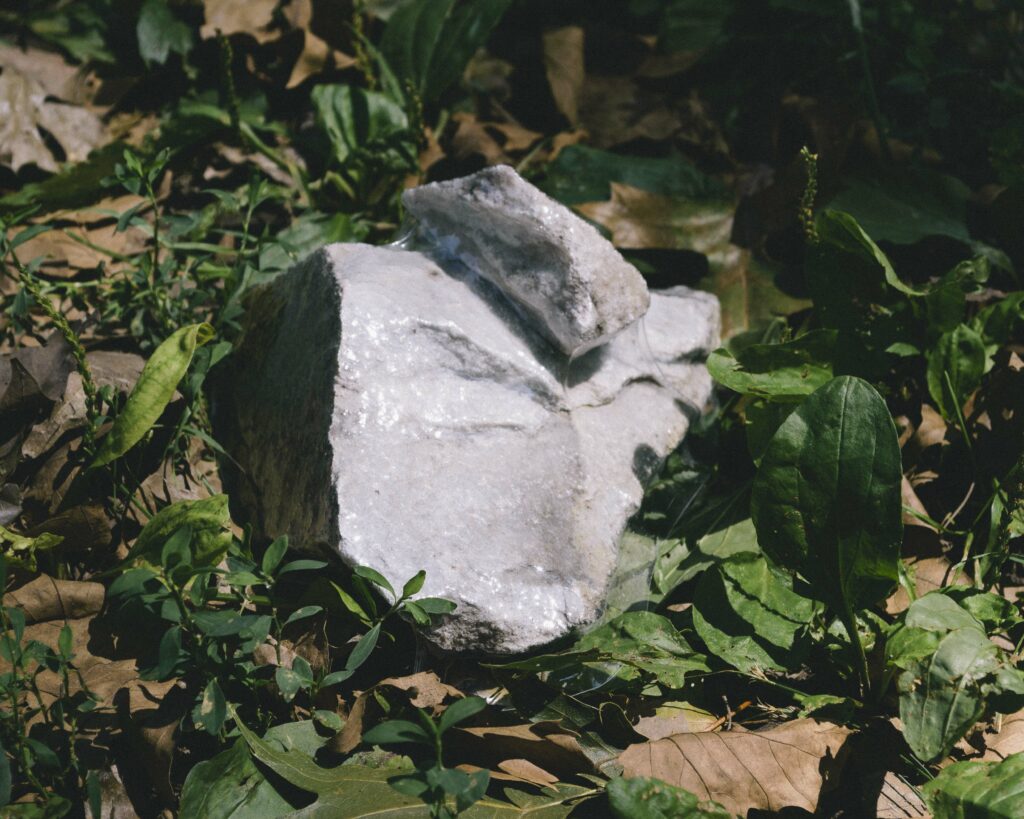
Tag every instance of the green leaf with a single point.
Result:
(396, 731)
(907, 205)
(374, 577)
(841, 230)
(644, 798)
(955, 367)
(208, 519)
(983, 790)
(353, 117)
(459, 711)
(299, 614)
(584, 174)
(160, 32)
(274, 555)
(694, 25)
(414, 584)
(211, 710)
(153, 391)
(429, 42)
(782, 372)
(749, 616)
(288, 682)
(940, 695)
(231, 786)
(826, 499)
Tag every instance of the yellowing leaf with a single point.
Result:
(154, 390)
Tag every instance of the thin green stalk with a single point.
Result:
(850, 622)
(92, 401)
(869, 82)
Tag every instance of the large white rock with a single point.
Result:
(575, 287)
(396, 407)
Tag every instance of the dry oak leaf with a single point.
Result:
(47, 598)
(676, 718)
(316, 54)
(25, 107)
(1007, 740)
(252, 17)
(789, 765)
(563, 65)
(544, 744)
(84, 239)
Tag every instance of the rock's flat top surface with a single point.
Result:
(550, 262)
(410, 416)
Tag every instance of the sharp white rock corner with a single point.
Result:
(484, 403)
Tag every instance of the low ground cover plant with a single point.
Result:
(818, 608)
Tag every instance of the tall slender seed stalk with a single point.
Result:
(227, 59)
(809, 196)
(363, 60)
(92, 400)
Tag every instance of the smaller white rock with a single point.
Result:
(557, 268)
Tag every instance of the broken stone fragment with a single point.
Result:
(400, 407)
(576, 288)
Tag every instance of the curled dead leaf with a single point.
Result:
(47, 598)
(252, 17)
(544, 744)
(789, 765)
(563, 64)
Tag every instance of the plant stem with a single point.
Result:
(869, 82)
(850, 622)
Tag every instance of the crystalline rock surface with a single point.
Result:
(484, 403)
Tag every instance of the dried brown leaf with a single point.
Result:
(1006, 739)
(563, 65)
(252, 17)
(615, 110)
(27, 109)
(47, 598)
(929, 573)
(425, 689)
(789, 765)
(638, 219)
(544, 744)
(897, 799)
(526, 771)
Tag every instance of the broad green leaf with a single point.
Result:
(633, 649)
(353, 117)
(459, 711)
(374, 577)
(764, 417)
(979, 790)
(694, 25)
(907, 205)
(842, 230)
(644, 798)
(274, 555)
(956, 364)
(209, 713)
(826, 499)
(782, 372)
(429, 42)
(749, 616)
(414, 584)
(160, 32)
(940, 695)
(395, 731)
(718, 546)
(940, 611)
(584, 174)
(153, 391)
(20, 551)
(208, 519)
(288, 683)
(231, 786)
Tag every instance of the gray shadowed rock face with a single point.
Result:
(576, 288)
(402, 408)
